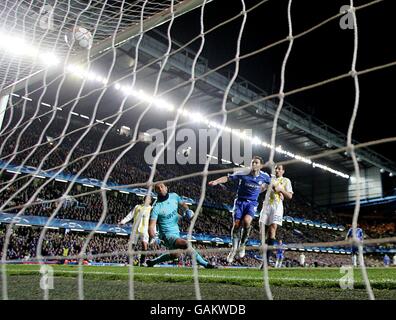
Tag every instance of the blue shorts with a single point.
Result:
(244, 207)
(169, 240)
(355, 250)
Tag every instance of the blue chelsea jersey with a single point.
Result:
(359, 233)
(249, 186)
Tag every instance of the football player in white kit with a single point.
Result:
(142, 212)
(272, 212)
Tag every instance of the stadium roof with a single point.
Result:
(298, 132)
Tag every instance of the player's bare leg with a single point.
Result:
(270, 239)
(246, 228)
(143, 255)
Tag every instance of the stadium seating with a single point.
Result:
(133, 169)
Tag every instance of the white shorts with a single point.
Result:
(271, 214)
(141, 236)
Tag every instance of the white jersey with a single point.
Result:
(145, 217)
(275, 198)
(272, 212)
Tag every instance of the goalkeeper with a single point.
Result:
(165, 214)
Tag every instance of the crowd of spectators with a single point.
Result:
(90, 208)
(314, 259)
(379, 229)
(66, 245)
(131, 169)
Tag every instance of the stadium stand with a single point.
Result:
(214, 219)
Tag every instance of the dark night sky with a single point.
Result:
(322, 54)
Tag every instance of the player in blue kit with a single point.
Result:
(251, 182)
(165, 214)
(280, 254)
(354, 248)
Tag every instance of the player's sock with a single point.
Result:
(245, 235)
(235, 239)
(235, 235)
(162, 258)
(270, 242)
(200, 260)
(142, 258)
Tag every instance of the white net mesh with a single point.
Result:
(84, 83)
(49, 25)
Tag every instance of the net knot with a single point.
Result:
(350, 148)
(352, 9)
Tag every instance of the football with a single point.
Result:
(79, 36)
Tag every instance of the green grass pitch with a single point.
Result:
(178, 283)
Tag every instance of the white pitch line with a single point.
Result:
(206, 276)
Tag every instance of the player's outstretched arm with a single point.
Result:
(151, 230)
(218, 181)
(128, 218)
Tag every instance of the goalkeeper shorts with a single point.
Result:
(170, 240)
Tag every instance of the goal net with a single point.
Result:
(102, 100)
